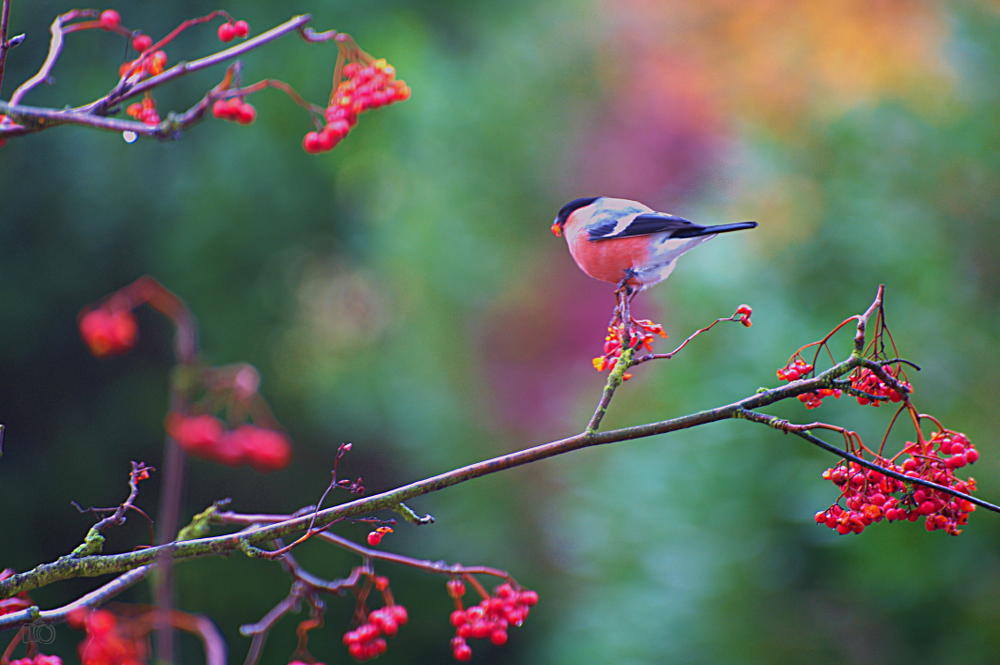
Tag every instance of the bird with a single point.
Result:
(629, 244)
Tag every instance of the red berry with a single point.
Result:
(110, 19)
(456, 588)
(142, 42)
(528, 597)
(196, 435)
(100, 622)
(227, 32)
(311, 143)
(462, 652)
(498, 637)
(242, 29)
(338, 127)
(108, 333)
(220, 109)
(327, 140)
(971, 455)
(265, 449)
(374, 538)
(230, 449)
(246, 114)
(232, 110)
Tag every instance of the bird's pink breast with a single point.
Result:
(608, 260)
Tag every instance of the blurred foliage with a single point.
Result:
(403, 293)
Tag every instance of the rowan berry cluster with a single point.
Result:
(144, 111)
(641, 336)
(18, 603)
(147, 64)
(867, 381)
(871, 496)
(105, 643)
(229, 30)
(366, 641)
(234, 109)
(366, 87)
(795, 369)
(206, 437)
(490, 618)
(109, 330)
(39, 659)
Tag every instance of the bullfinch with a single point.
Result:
(627, 243)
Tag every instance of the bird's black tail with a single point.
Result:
(695, 231)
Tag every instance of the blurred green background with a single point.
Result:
(403, 292)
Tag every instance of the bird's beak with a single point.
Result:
(557, 229)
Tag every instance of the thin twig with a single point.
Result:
(4, 18)
(876, 306)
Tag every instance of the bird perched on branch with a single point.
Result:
(629, 244)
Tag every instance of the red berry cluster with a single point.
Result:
(144, 111)
(641, 337)
(105, 644)
(39, 659)
(365, 88)
(147, 64)
(234, 109)
(871, 496)
(867, 381)
(366, 641)
(206, 437)
(229, 31)
(109, 330)
(490, 618)
(110, 19)
(794, 370)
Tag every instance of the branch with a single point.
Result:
(263, 529)
(32, 119)
(71, 567)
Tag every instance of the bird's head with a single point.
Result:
(567, 210)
